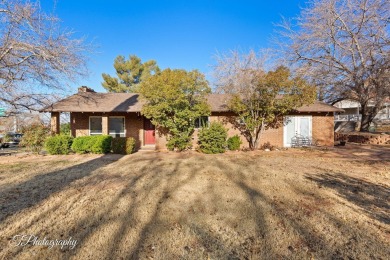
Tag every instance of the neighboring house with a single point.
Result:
(352, 113)
(119, 115)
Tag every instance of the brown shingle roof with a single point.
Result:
(97, 102)
(218, 102)
(130, 102)
(319, 106)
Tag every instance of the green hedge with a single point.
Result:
(58, 144)
(234, 143)
(92, 144)
(102, 144)
(81, 144)
(123, 145)
(212, 139)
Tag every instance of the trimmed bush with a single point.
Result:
(92, 144)
(123, 145)
(102, 144)
(212, 139)
(119, 145)
(34, 137)
(130, 145)
(233, 143)
(81, 144)
(58, 144)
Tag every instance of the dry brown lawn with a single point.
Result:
(300, 204)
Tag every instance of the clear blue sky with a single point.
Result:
(177, 34)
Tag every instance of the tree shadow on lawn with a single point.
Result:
(262, 208)
(151, 190)
(146, 189)
(297, 221)
(373, 199)
(31, 192)
(128, 224)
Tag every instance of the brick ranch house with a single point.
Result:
(119, 115)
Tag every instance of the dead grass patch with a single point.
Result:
(159, 205)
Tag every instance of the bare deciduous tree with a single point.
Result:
(259, 97)
(343, 46)
(37, 57)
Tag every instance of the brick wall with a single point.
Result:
(79, 123)
(274, 136)
(134, 128)
(133, 124)
(322, 129)
(55, 122)
(161, 141)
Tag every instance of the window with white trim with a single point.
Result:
(116, 125)
(201, 122)
(95, 125)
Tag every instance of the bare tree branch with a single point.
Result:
(258, 97)
(343, 47)
(38, 59)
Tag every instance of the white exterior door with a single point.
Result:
(296, 125)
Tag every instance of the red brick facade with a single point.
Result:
(322, 128)
(79, 123)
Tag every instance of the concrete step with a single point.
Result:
(147, 148)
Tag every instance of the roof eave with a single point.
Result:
(319, 111)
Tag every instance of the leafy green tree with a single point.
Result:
(276, 95)
(174, 99)
(130, 73)
(259, 98)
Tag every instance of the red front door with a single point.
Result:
(149, 130)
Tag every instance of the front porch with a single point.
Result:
(131, 124)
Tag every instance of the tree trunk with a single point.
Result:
(368, 115)
(365, 123)
(255, 139)
(249, 138)
(253, 143)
